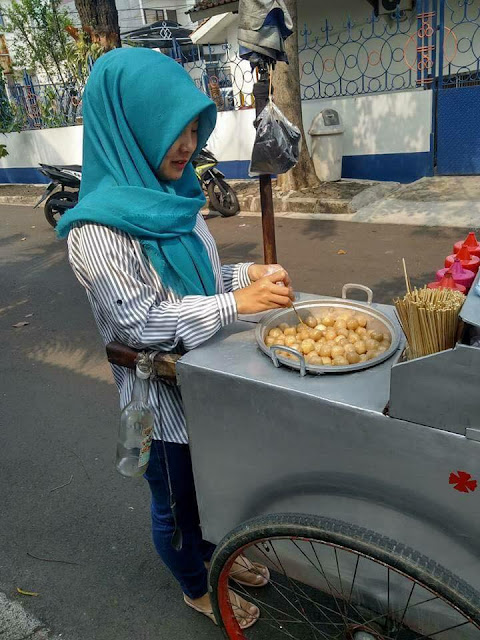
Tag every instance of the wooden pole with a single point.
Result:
(260, 92)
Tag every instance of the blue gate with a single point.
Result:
(457, 87)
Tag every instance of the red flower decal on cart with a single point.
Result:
(462, 482)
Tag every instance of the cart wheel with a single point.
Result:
(335, 581)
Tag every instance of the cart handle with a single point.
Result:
(348, 287)
(297, 354)
(164, 364)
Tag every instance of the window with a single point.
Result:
(153, 15)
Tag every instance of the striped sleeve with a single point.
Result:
(110, 270)
(235, 276)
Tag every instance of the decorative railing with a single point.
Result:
(438, 44)
(459, 56)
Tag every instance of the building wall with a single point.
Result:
(387, 137)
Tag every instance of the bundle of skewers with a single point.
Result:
(429, 318)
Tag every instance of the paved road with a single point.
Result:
(59, 420)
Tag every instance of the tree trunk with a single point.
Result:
(288, 98)
(99, 18)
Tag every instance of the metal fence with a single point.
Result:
(357, 57)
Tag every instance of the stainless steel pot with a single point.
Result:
(376, 320)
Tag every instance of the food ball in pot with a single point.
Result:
(283, 326)
(341, 340)
(362, 320)
(311, 322)
(340, 324)
(316, 335)
(328, 320)
(275, 333)
(348, 348)
(289, 340)
(360, 347)
(363, 357)
(325, 350)
(371, 354)
(290, 331)
(336, 351)
(314, 359)
(269, 341)
(361, 331)
(371, 344)
(307, 346)
(352, 357)
(352, 324)
(342, 332)
(330, 334)
(353, 337)
(377, 335)
(320, 327)
(303, 335)
(339, 361)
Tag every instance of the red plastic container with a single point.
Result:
(460, 275)
(447, 282)
(468, 261)
(472, 244)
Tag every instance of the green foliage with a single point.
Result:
(40, 39)
(3, 150)
(81, 52)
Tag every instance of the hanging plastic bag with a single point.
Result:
(277, 142)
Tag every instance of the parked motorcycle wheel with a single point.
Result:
(53, 209)
(225, 203)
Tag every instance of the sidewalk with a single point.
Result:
(442, 201)
(17, 624)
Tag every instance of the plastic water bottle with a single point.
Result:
(136, 427)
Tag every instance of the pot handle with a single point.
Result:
(348, 287)
(278, 347)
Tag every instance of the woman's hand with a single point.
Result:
(257, 271)
(265, 294)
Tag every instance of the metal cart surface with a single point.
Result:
(394, 448)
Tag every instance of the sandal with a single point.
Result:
(235, 601)
(254, 569)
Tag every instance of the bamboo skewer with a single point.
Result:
(429, 319)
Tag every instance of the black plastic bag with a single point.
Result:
(277, 142)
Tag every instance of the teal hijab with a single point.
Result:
(136, 104)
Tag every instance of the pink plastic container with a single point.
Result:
(468, 261)
(460, 275)
(472, 244)
(447, 282)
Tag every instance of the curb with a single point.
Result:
(24, 201)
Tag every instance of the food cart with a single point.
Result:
(382, 462)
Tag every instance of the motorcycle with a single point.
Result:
(220, 194)
(57, 202)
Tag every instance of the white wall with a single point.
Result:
(50, 146)
(398, 122)
(384, 123)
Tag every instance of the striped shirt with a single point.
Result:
(131, 305)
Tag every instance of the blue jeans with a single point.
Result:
(187, 565)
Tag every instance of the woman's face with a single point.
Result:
(179, 153)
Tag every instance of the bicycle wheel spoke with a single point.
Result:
(329, 584)
(395, 611)
(321, 607)
(406, 609)
(353, 581)
(292, 586)
(432, 635)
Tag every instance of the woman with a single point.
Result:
(152, 274)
